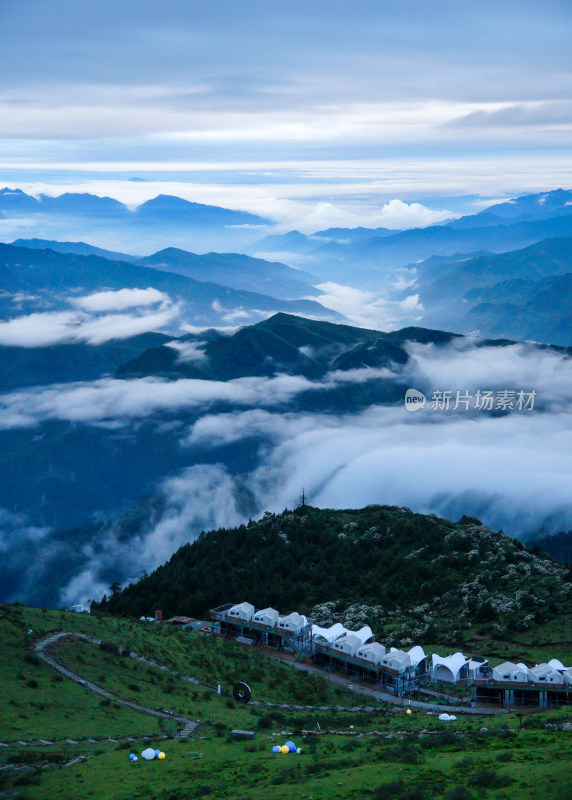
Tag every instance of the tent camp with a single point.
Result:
(373, 652)
(328, 635)
(242, 612)
(507, 671)
(351, 641)
(266, 616)
(293, 623)
(450, 669)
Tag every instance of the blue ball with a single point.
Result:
(291, 746)
(157, 753)
(275, 749)
(131, 756)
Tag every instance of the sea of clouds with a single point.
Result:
(511, 470)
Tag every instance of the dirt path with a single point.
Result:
(188, 725)
(357, 688)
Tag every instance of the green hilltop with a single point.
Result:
(414, 578)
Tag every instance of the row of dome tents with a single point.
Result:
(245, 612)
(553, 672)
(337, 643)
(458, 668)
(344, 648)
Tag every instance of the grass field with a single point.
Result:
(385, 754)
(464, 763)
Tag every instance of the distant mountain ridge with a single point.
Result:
(162, 221)
(343, 255)
(45, 277)
(523, 294)
(77, 248)
(160, 209)
(287, 344)
(372, 258)
(282, 344)
(235, 270)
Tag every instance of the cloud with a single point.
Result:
(234, 314)
(368, 309)
(467, 364)
(405, 280)
(512, 471)
(188, 351)
(112, 399)
(400, 215)
(63, 327)
(120, 300)
(228, 113)
(538, 114)
(24, 551)
(199, 498)
(123, 326)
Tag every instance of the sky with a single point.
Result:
(321, 110)
(397, 113)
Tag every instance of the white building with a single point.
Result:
(479, 668)
(451, 669)
(417, 656)
(507, 671)
(266, 616)
(328, 635)
(348, 644)
(373, 652)
(544, 672)
(292, 623)
(566, 672)
(350, 641)
(242, 612)
(555, 663)
(79, 608)
(397, 660)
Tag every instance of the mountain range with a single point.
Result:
(33, 281)
(111, 466)
(233, 270)
(161, 210)
(236, 271)
(159, 222)
(77, 248)
(523, 294)
(182, 390)
(371, 260)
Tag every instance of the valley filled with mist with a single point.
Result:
(147, 398)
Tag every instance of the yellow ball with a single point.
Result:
(161, 756)
(409, 711)
(284, 749)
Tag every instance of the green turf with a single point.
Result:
(386, 754)
(503, 764)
